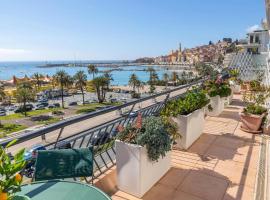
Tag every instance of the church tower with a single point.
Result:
(179, 59)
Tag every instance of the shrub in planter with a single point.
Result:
(188, 114)
(142, 155)
(10, 179)
(235, 81)
(254, 113)
(219, 92)
(152, 133)
(252, 118)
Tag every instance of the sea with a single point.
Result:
(120, 77)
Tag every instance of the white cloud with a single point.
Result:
(12, 52)
(253, 28)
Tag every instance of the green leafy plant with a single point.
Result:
(217, 87)
(10, 179)
(256, 97)
(254, 109)
(150, 132)
(194, 99)
(234, 76)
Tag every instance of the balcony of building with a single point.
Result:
(225, 163)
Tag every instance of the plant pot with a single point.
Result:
(227, 100)
(217, 104)
(251, 123)
(236, 89)
(190, 127)
(136, 174)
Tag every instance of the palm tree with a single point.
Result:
(133, 81)
(166, 79)
(153, 78)
(92, 69)
(63, 80)
(24, 94)
(107, 74)
(2, 92)
(37, 80)
(80, 79)
(100, 84)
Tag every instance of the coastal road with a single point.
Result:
(84, 125)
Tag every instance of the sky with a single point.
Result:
(47, 30)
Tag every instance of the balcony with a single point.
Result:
(225, 163)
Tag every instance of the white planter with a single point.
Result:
(190, 127)
(136, 174)
(236, 89)
(217, 104)
(227, 100)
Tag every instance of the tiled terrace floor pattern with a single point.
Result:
(221, 164)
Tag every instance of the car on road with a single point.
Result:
(28, 107)
(40, 107)
(133, 113)
(57, 105)
(30, 159)
(12, 108)
(74, 103)
(51, 106)
(43, 100)
(42, 104)
(101, 138)
(3, 113)
(32, 152)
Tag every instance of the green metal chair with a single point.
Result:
(64, 163)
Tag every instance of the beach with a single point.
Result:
(120, 76)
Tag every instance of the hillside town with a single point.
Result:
(213, 52)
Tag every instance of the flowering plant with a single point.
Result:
(217, 87)
(10, 179)
(150, 132)
(234, 76)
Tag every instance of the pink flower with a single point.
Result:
(120, 128)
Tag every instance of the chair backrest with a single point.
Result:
(64, 163)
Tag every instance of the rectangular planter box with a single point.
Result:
(136, 174)
(190, 127)
(217, 104)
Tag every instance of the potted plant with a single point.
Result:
(252, 118)
(255, 111)
(10, 179)
(219, 92)
(142, 154)
(235, 81)
(188, 113)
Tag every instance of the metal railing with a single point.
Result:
(100, 136)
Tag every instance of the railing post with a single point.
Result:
(58, 137)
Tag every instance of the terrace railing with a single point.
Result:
(98, 128)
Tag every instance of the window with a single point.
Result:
(257, 40)
(251, 39)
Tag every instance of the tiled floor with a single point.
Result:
(221, 165)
